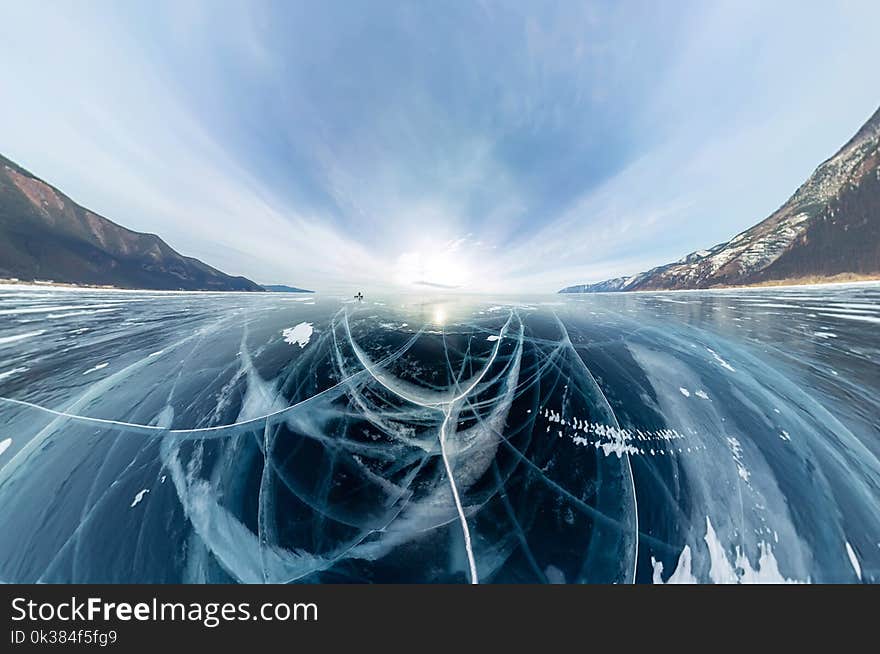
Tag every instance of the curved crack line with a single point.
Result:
(463, 395)
(567, 341)
(446, 406)
(472, 565)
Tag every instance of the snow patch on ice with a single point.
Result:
(86, 312)
(873, 319)
(100, 366)
(4, 445)
(9, 373)
(736, 450)
(20, 337)
(682, 573)
(298, 335)
(139, 496)
(721, 361)
(740, 571)
(493, 337)
(854, 560)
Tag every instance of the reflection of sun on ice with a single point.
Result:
(443, 269)
(439, 316)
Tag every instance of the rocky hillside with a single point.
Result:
(44, 235)
(830, 226)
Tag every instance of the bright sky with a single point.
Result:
(478, 145)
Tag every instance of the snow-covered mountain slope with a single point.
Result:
(831, 225)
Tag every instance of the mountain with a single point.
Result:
(44, 235)
(830, 226)
(281, 288)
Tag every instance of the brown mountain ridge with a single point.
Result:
(44, 235)
(829, 228)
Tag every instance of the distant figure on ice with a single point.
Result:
(359, 296)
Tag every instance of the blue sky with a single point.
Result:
(482, 145)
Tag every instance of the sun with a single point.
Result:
(439, 269)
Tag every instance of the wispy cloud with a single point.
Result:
(478, 146)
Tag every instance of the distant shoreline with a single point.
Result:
(66, 286)
(841, 278)
(846, 279)
(13, 281)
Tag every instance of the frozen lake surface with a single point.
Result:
(672, 437)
